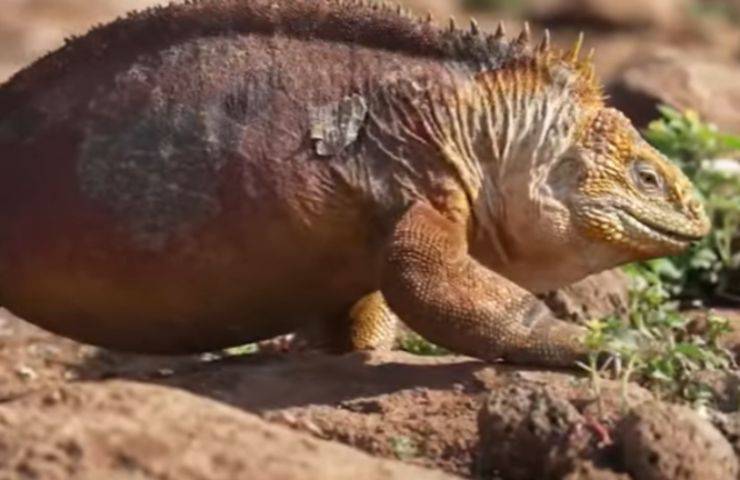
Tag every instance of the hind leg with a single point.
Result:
(368, 325)
(373, 325)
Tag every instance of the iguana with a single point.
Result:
(218, 172)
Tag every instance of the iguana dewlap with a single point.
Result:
(204, 175)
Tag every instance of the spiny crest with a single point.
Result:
(545, 52)
(490, 51)
(583, 67)
(375, 24)
(586, 65)
(611, 134)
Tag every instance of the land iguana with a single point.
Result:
(218, 172)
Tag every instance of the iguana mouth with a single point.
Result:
(673, 236)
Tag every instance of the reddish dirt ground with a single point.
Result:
(431, 412)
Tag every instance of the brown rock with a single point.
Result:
(118, 430)
(731, 340)
(526, 432)
(683, 82)
(624, 14)
(724, 386)
(728, 425)
(595, 297)
(671, 442)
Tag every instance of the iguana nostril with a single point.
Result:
(697, 208)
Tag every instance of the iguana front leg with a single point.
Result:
(439, 290)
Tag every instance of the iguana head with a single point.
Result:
(629, 196)
(609, 199)
(577, 190)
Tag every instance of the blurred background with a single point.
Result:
(683, 54)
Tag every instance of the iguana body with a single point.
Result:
(210, 174)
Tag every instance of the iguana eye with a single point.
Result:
(646, 178)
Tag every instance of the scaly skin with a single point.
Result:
(205, 175)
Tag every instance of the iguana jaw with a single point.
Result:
(641, 227)
(646, 232)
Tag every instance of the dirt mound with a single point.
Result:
(126, 430)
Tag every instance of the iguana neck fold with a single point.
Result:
(501, 131)
(525, 120)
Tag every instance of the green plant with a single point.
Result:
(241, 350)
(404, 447)
(655, 345)
(716, 8)
(414, 343)
(707, 270)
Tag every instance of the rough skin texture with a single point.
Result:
(224, 171)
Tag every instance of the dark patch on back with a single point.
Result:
(159, 173)
(251, 98)
(239, 106)
(152, 154)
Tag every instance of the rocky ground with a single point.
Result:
(69, 411)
